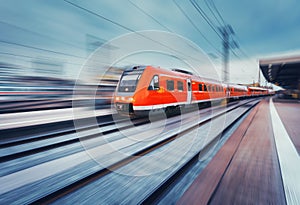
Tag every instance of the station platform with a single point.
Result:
(24, 119)
(259, 163)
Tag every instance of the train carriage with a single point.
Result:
(145, 88)
(237, 91)
(257, 91)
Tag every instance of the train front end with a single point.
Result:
(124, 97)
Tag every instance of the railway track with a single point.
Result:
(68, 138)
(78, 173)
(35, 105)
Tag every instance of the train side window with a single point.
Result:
(180, 86)
(200, 87)
(154, 84)
(205, 87)
(170, 85)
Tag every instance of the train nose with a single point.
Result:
(124, 105)
(122, 99)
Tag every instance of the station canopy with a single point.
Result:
(284, 71)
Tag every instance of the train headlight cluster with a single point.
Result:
(125, 99)
(131, 99)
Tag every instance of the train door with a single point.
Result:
(227, 91)
(189, 91)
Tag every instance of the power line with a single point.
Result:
(40, 49)
(194, 25)
(214, 6)
(31, 57)
(147, 14)
(38, 34)
(224, 23)
(240, 49)
(196, 6)
(234, 53)
(128, 29)
(225, 34)
(206, 18)
(213, 13)
(100, 16)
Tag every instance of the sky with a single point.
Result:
(65, 33)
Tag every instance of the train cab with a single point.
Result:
(145, 88)
(125, 91)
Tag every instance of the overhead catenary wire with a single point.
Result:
(128, 29)
(150, 16)
(40, 49)
(216, 9)
(206, 18)
(30, 57)
(223, 29)
(213, 13)
(194, 25)
(220, 20)
(224, 23)
(224, 32)
(43, 35)
(194, 3)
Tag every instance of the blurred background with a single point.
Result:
(59, 67)
(44, 44)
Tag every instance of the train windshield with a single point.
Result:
(129, 82)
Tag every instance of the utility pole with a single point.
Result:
(226, 32)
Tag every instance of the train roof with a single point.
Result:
(139, 67)
(237, 85)
(182, 71)
(177, 72)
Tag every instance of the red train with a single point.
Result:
(146, 88)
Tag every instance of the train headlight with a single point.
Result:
(131, 99)
(117, 98)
